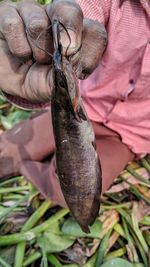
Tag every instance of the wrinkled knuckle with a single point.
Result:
(10, 23)
(22, 52)
(36, 26)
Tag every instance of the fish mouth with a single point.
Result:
(57, 55)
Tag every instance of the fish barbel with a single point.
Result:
(77, 162)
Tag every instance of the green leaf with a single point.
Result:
(55, 229)
(137, 229)
(8, 255)
(54, 261)
(103, 248)
(138, 265)
(55, 243)
(117, 262)
(14, 118)
(91, 262)
(4, 263)
(72, 228)
(43, 2)
(146, 220)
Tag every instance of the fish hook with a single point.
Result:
(57, 36)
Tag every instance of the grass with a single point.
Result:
(34, 233)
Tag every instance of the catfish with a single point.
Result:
(77, 162)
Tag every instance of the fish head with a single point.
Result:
(65, 85)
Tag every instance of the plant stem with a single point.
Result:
(4, 263)
(14, 189)
(12, 196)
(53, 260)
(138, 176)
(31, 234)
(117, 206)
(91, 261)
(102, 249)
(146, 164)
(4, 213)
(130, 241)
(20, 249)
(12, 180)
(33, 257)
(114, 254)
(137, 230)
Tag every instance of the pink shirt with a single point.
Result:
(117, 94)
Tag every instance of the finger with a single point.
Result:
(26, 81)
(30, 82)
(12, 71)
(12, 30)
(70, 15)
(37, 23)
(94, 42)
(37, 83)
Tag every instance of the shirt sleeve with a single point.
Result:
(96, 9)
(23, 103)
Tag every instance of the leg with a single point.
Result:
(114, 156)
(29, 140)
(43, 176)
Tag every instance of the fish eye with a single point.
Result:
(61, 84)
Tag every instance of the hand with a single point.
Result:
(25, 34)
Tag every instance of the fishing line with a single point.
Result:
(57, 40)
(37, 41)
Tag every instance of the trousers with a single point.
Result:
(113, 154)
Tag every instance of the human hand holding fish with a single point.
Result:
(26, 62)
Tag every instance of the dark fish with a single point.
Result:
(77, 162)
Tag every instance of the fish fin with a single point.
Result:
(70, 105)
(94, 144)
(80, 113)
(100, 173)
(65, 91)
